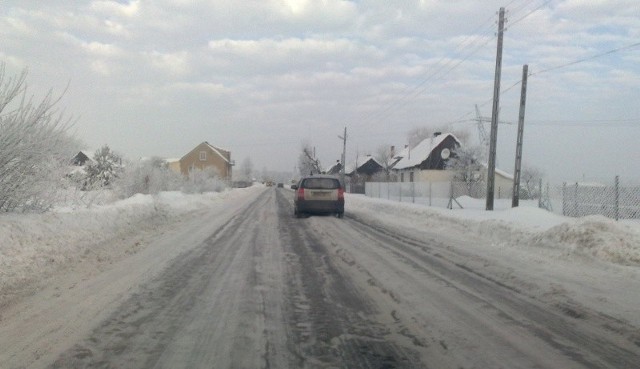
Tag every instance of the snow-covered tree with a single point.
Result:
(530, 182)
(307, 162)
(383, 155)
(35, 147)
(245, 172)
(105, 167)
(205, 180)
(148, 176)
(467, 162)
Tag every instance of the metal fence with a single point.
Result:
(440, 194)
(614, 201)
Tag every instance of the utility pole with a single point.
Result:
(344, 151)
(516, 173)
(491, 172)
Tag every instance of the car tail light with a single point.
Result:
(340, 194)
(300, 193)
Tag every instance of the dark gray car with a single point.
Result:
(319, 194)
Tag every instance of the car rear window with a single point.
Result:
(321, 183)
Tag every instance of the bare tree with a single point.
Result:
(35, 147)
(467, 163)
(530, 182)
(307, 162)
(384, 156)
(246, 170)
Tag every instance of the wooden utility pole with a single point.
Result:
(491, 171)
(344, 151)
(516, 173)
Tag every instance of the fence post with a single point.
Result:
(413, 192)
(400, 191)
(430, 182)
(540, 194)
(575, 202)
(564, 198)
(617, 196)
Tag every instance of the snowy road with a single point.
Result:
(257, 288)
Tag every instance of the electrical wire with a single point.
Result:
(609, 52)
(409, 92)
(440, 73)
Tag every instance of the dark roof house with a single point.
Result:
(430, 153)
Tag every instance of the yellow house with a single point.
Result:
(206, 156)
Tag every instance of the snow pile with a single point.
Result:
(600, 237)
(33, 246)
(529, 228)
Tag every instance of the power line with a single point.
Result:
(609, 52)
(531, 12)
(409, 92)
(440, 73)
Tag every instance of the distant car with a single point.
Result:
(280, 185)
(320, 194)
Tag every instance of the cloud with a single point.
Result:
(175, 64)
(115, 8)
(377, 66)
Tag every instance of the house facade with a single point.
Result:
(427, 160)
(205, 156)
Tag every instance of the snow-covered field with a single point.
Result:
(592, 260)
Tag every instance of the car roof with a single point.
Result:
(320, 176)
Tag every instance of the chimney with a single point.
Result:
(436, 134)
(392, 151)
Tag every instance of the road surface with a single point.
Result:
(257, 288)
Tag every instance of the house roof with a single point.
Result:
(335, 168)
(360, 162)
(414, 156)
(499, 172)
(219, 151)
(216, 150)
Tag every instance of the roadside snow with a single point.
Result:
(33, 246)
(524, 228)
(590, 263)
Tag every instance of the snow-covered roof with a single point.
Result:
(334, 168)
(498, 171)
(504, 174)
(359, 162)
(217, 151)
(412, 157)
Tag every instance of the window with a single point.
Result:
(401, 177)
(321, 183)
(203, 156)
(411, 177)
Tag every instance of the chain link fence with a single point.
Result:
(440, 193)
(615, 200)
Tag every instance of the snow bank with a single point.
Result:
(597, 236)
(33, 246)
(525, 227)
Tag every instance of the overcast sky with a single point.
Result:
(259, 77)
